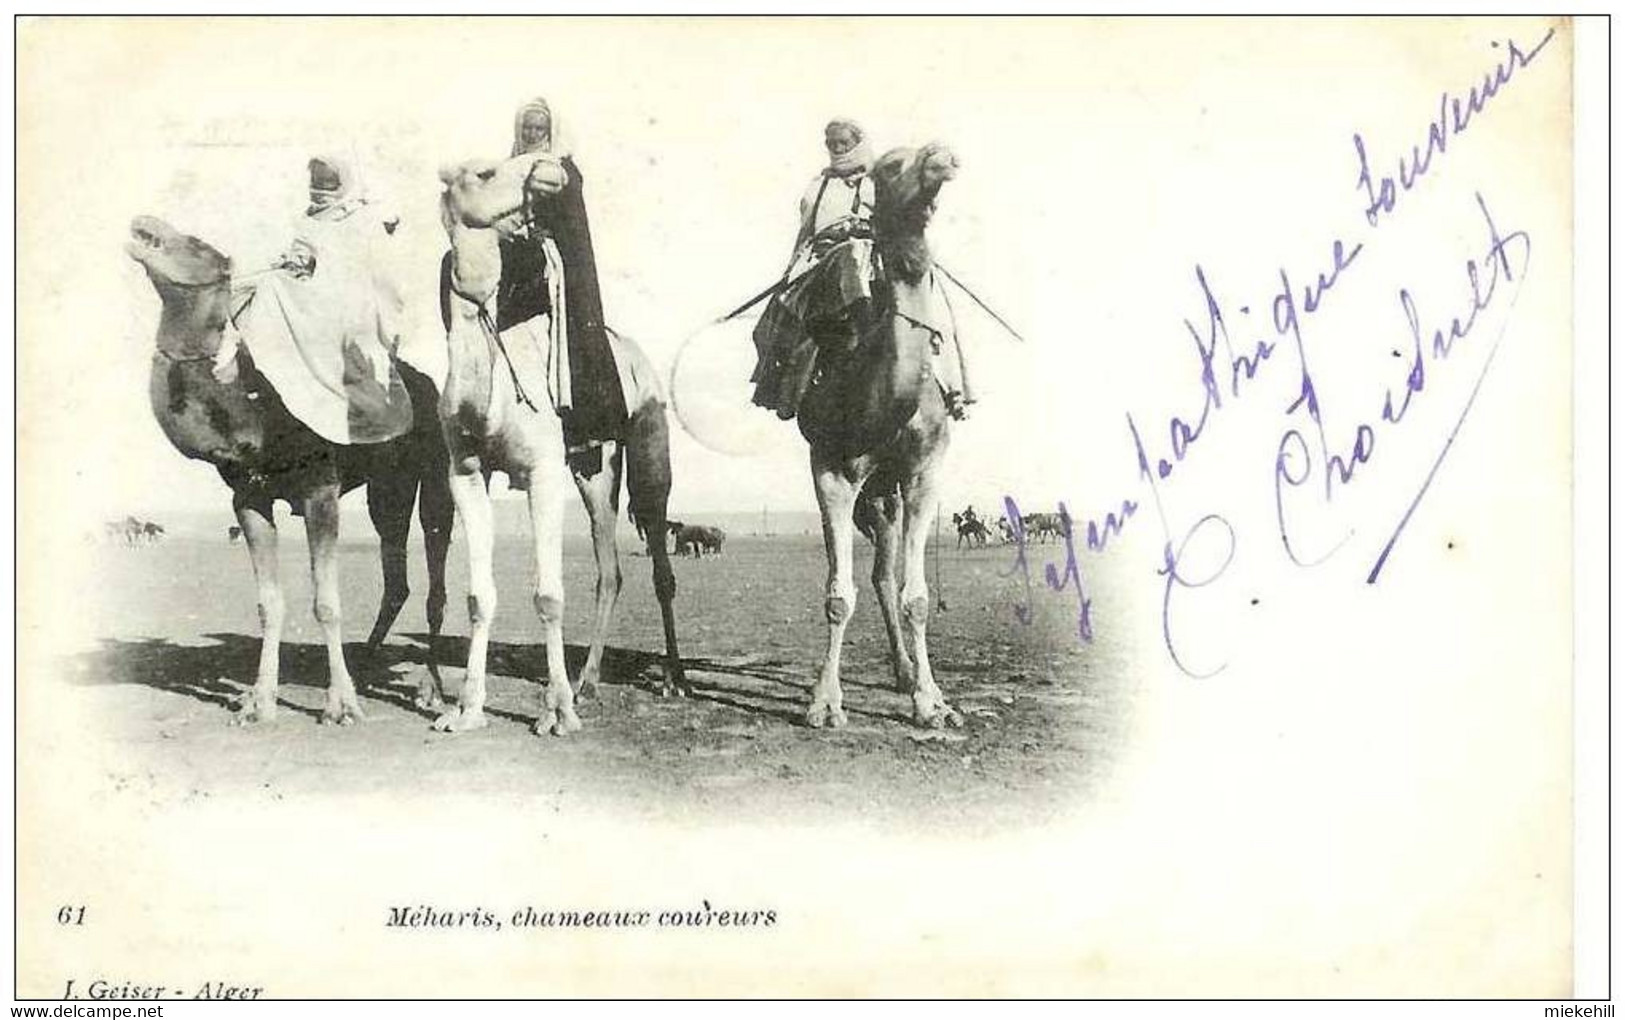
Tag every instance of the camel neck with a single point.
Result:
(191, 322)
(476, 262)
(907, 258)
(900, 235)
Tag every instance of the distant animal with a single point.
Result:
(1042, 527)
(876, 422)
(233, 533)
(237, 423)
(696, 539)
(971, 531)
(1006, 533)
(492, 424)
(127, 531)
(152, 532)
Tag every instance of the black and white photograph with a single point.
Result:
(802, 507)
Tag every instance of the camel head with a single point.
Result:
(906, 185)
(175, 262)
(481, 194)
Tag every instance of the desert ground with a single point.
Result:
(176, 640)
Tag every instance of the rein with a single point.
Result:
(176, 359)
(494, 344)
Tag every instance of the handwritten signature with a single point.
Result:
(1313, 462)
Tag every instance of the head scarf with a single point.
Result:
(333, 186)
(855, 160)
(555, 144)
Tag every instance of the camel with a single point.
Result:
(494, 421)
(697, 539)
(235, 421)
(152, 532)
(876, 424)
(1043, 527)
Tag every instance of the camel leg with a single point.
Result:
(648, 491)
(881, 516)
(436, 512)
(665, 581)
(597, 495)
(473, 502)
(389, 504)
(558, 714)
(259, 531)
(920, 498)
(322, 535)
(836, 496)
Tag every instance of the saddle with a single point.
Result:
(335, 372)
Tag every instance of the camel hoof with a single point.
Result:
(343, 711)
(819, 715)
(938, 716)
(430, 694)
(429, 700)
(559, 723)
(250, 711)
(673, 681)
(460, 721)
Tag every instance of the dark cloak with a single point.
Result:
(599, 407)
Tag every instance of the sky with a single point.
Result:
(1091, 159)
(697, 140)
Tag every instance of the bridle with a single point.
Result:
(493, 336)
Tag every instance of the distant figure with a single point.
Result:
(233, 533)
(1006, 533)
(152, 532)
(127, 531)
(971, 530)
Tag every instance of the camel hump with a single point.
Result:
(640, 383)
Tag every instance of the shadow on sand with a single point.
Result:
(220, 672)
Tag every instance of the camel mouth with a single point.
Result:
(147, 238)
(938, 163)
(510, 223)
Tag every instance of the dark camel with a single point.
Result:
(877, 426)
(233, 419)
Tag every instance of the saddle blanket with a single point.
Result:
(327, 347)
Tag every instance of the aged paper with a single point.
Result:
(1272, 317)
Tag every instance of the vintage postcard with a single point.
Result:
(674, 507)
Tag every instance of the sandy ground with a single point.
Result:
(177, 642)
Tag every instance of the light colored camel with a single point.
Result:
(877, 428)
(234, 420)
(497, 416)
